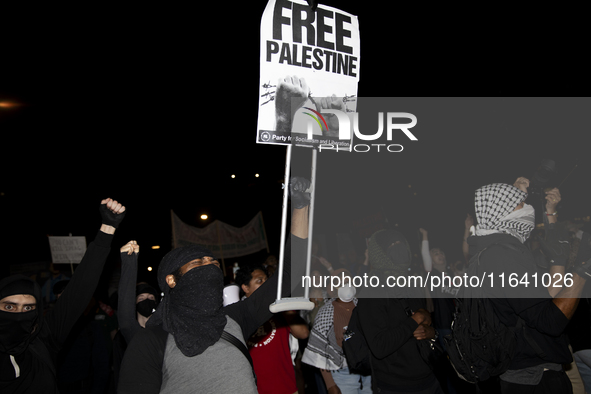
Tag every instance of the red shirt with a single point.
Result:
(269, 349)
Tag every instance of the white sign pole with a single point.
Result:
(332, 71)
(311, 221)
(284, 219)
(295, 303)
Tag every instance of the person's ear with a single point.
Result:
(244, 289)
(170, 281)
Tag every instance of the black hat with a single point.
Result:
(146, 288)
(176, 258)
(13, 285)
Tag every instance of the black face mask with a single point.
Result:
(194, 310)
(16, 331)
(145, 307)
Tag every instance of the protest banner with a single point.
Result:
(309, 65)
(224, 240)
(67, 250)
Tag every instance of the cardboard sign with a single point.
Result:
(67, 250)
(309, 66)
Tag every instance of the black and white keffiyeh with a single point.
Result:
(495, 205)
(322, 350)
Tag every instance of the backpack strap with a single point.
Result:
(242, 347)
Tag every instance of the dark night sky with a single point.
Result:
(158, 107)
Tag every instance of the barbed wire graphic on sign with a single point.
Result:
(346, 99)
(269, 94)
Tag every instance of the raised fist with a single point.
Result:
(298, 190)
(112, 212)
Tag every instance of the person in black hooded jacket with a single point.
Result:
(394, 320)
(182, 348)
(504, 223)
(29, 341)
(136, 304)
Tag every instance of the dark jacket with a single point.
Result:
(37, 364)
(396, 362)
(141, 368)
(544, 322)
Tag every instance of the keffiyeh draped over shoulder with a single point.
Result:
(322, 350)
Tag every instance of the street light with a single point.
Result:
(8, 104)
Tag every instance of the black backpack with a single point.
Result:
(355, 347)
(480, 345)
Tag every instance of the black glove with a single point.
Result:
(556, 245)
(109, 217)
(583, 269)
(297, 190)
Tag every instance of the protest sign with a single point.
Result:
(309, 66)
(67, 250)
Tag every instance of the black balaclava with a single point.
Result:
(147, 306)
(389, 255)
(17, 330)
(192, 311)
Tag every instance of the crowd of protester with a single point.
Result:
(177, 337)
